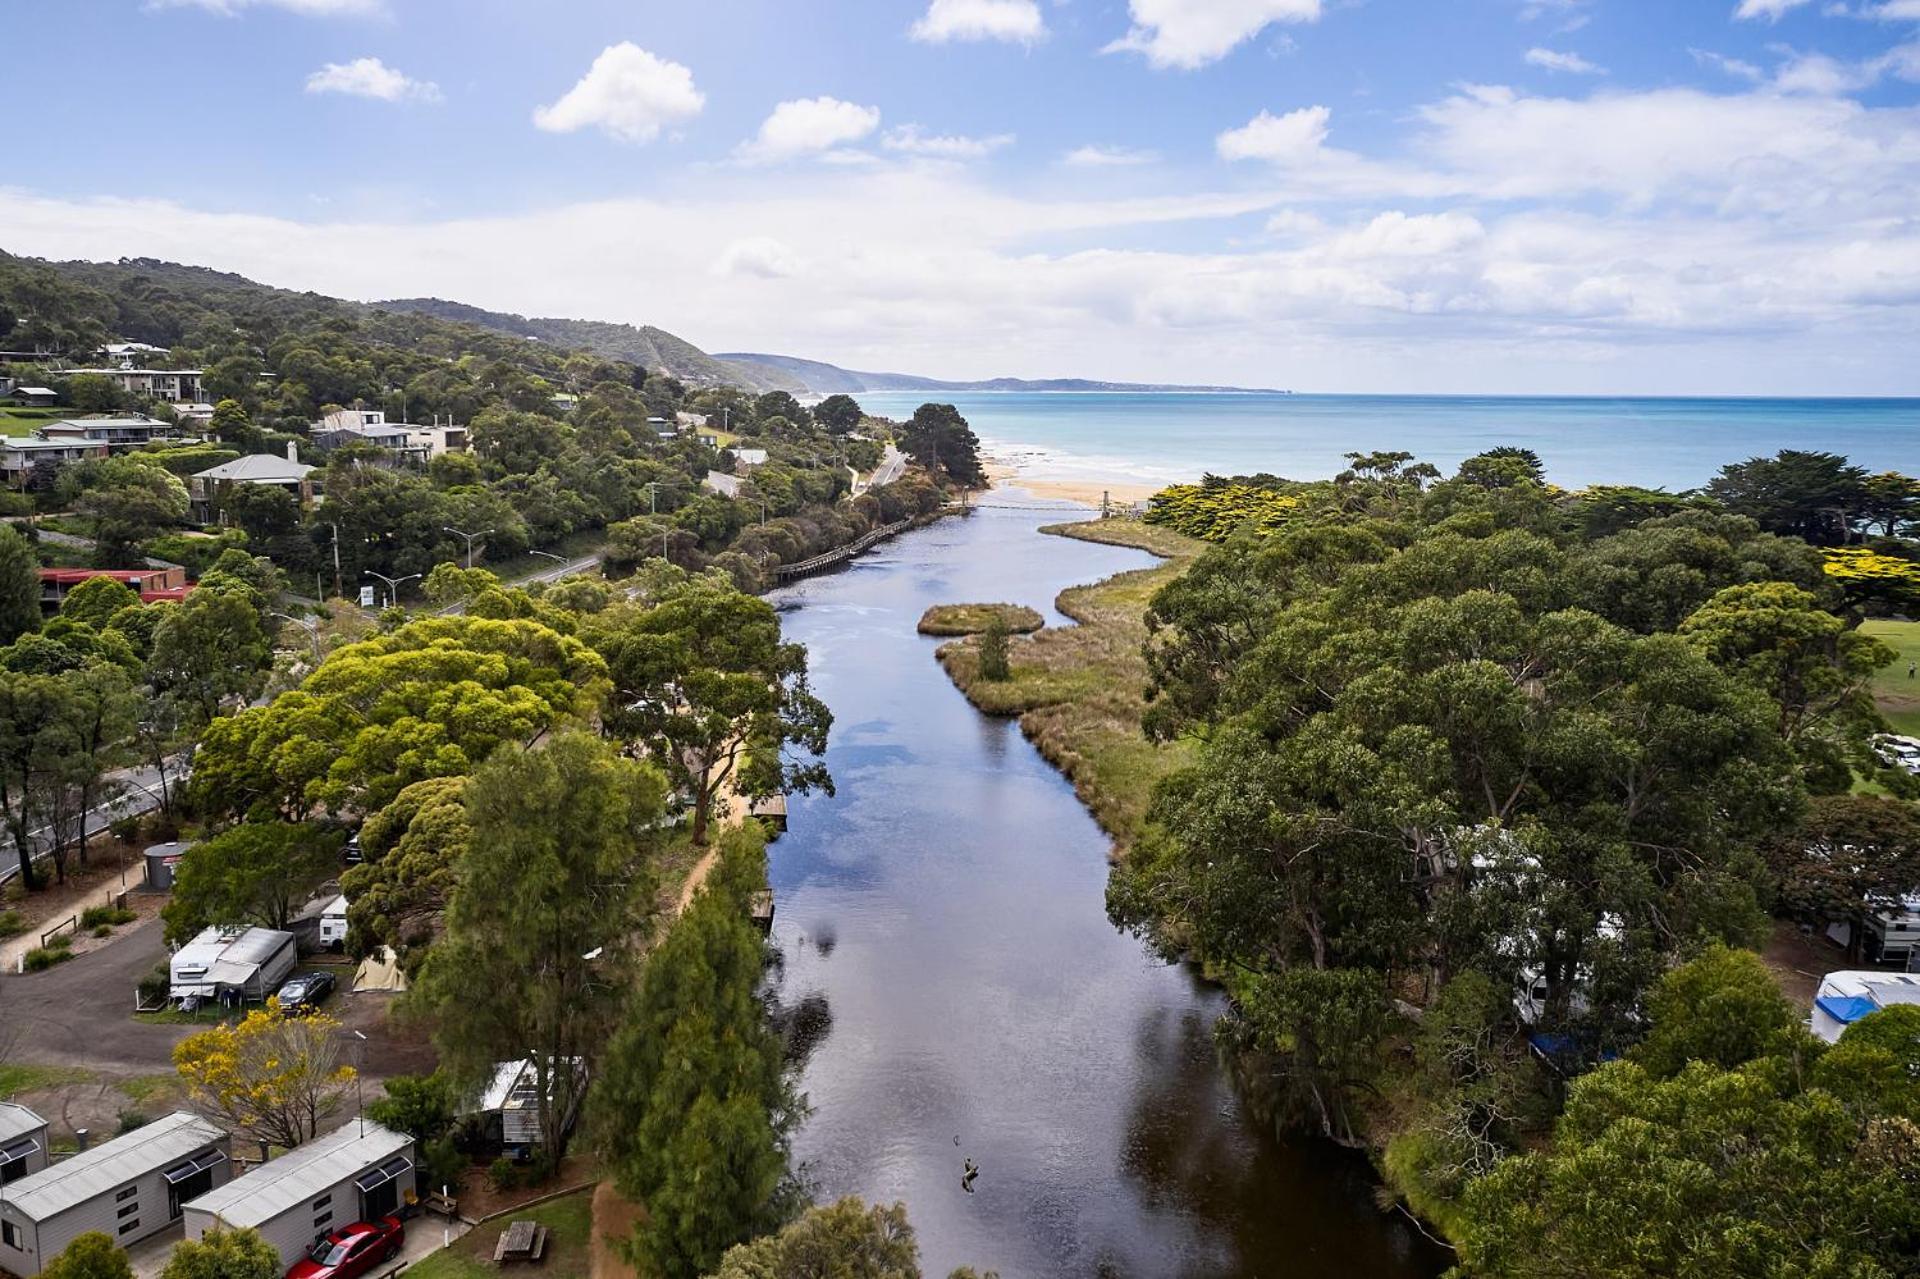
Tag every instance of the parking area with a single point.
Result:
(425, 1236)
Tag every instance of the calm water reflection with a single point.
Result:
(962, 995)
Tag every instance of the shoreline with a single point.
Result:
(1088, 493)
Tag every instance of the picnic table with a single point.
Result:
(521, 1241)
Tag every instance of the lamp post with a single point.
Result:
(310, 626)
(360, 1051)
(393, 584)
(470, 537)
(549, 555)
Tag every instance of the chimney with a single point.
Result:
(293, 450)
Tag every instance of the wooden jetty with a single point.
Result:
(839, 555)
(772, 810)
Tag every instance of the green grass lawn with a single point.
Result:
(16, 1079)
(27, 421)
(569, 1223)
(1897, 696)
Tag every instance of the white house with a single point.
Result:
(722, 483)
(117, 430)
(1846, 997)
(124, 355)
(439, 439)
(248, 963)
(23, 1142)
(19, 454)
(744, 458)
(128, 1188)
(358, 1172)
(175, 386)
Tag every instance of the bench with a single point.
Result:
(521, 1241)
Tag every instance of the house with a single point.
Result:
(693, 421)
(175, 386)
(440, 439)
(665, 428)
(124, 355)
(1844, 998)
(358, 1172)
(564, 401)
(231, 964)
(152, 585)
(394, 437)
(128, 1188)
(34, 397)
(116, 430)
(722, 483)
(288, 472)
(23, 1142)
(745, 458)
(509, 1106)
(342, 418)
(19, 454)
(333, 923)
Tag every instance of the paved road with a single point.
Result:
(80, 1013)
(893, 464)
(585, 564)
(140, 794)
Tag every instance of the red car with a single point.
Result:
(352, 1250)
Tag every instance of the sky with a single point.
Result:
(1470, 196)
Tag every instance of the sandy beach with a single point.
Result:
(1085, 492)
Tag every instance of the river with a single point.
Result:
(945, 946)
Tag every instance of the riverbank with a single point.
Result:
(1079, 691)
(1086, 492)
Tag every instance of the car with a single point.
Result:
(350, 852)
(352, 1250)
(304, 992)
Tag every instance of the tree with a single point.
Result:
(542, 928)
(412, 848)
(838, 413)
(704, 682)
(1851, 857)
(94, 393)
(130, 498)
(693, 1103)
(424, 1107)
(1724, 1008)
(1890, 501)
(278, 1076)
(993, 649)
(231, 425)
(224, 1254)
(93, 1255)
(844, 1240)
(254, 873)
(19, 586)
(1875, 1068)
(939, 439)
(1807, 494)
(96, 600)
(209, 650)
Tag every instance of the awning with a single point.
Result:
(20, 1150)
(198, 1164)
(374, 1178)
(1847, 1009)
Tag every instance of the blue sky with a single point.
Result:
(1588, 196)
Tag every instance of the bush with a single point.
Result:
(126, 829)
(63, 942)
(994, 664)
(130, 1120)
(103, 930)
(41, 958)
(154, 986)
(95, 917)
(12, 923)
(504, 1175)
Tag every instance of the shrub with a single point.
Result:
(94, 917)
(130, 1120)
(12, 923)
(504, 1175)
(103, 930)
(63, 942)
(154, 986)
(41, 958)
(993, 650)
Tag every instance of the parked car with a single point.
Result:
(350, 854)
(1898, 751)
(304, 992)
(352, 1250)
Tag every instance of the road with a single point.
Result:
(893, 464)
(585, 564)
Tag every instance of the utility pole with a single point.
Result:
(469, 536)
(339, 588)
(653, 511)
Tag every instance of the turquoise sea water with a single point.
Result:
(1160, 438)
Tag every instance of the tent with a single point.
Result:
(379, 971)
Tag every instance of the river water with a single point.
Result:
(945, 946)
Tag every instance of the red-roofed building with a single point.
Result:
(150, 584)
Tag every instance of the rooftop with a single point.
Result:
(17, 1121)
(110, 1165)
(295, 1177)
(257, 468)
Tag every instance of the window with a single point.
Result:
(10, 1235)
(125, 1194)
(128, 1227)
(323, 1201)
(127, 1211)
(13, 1159)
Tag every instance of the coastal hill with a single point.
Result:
(821, 378)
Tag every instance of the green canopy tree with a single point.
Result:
(210, 650)
(253, 873)
(224, 1254)
(93, 1255)
(1803, 493)
(693, 1104)
(96, 601)
(130, 498)
(19, 586)
(838, 413)
(704, 682)
(546, 917)
(413, 848)
(940, 440)
(1851, 857)
(1722, 1007)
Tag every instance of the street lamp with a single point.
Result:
(549, 555)
(312, 628)
(393, 583)
(469, 536)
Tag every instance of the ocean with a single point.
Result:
(1162, 438)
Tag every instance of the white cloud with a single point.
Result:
(1771, 10)
(1015, 21)
(1730, 66)
(1552, 60)
(371, 78)
(308, 8)
(911, 139)
(1895, 11)
(808, 126)
(758, 257)
(1292, 138)
(628, 94)
(1816, 73)
(1191, 33)
(1096, 155)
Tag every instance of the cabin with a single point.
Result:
(23, 1142)
(333, 923)
(34, 397)
(152, 585)
(509, 1107)
(242, 965)
(127, 1189)
(1844, 998)
(289, 473)
(358, 1172)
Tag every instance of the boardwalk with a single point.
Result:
(839, 555)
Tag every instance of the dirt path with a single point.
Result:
(696, 877)
(614, 1217)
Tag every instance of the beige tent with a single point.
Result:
(379, 971)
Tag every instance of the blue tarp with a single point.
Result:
(1846, 1009)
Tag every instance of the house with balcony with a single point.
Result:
(119, 431)
(20, 454)
(174, 386)
(289, 473)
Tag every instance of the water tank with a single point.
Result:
(162, 860)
